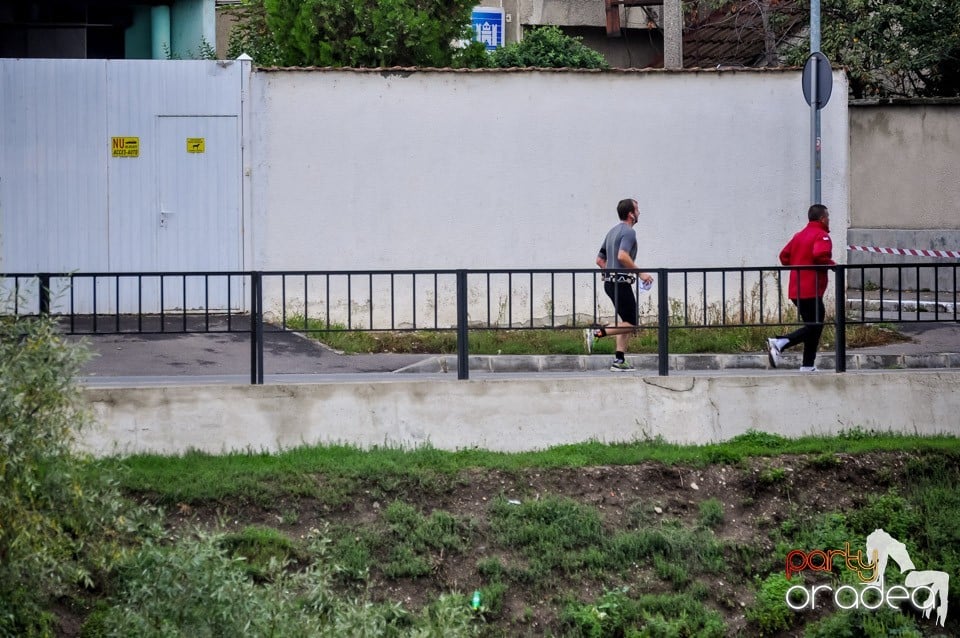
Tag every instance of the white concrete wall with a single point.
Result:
(389, 170)
(376, 170)
(513, 415)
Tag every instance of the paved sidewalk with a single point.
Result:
(220, 354)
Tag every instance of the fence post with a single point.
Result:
(840, 317)
(44, 279)
(463, 351)
(663, 324)
(256, 329)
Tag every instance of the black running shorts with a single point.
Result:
(621, 294)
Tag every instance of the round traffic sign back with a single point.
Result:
(824, 79)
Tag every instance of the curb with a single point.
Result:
(705, 362)
(902, 305)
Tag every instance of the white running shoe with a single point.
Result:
(773, 352)
(808, 369)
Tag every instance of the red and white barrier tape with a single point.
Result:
(907, 251)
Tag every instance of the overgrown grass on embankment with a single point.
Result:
(557, 542)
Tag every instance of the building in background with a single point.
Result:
(639, 45)
(108, 29)
(741, 33)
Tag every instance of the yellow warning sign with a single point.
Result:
(195, 144)
(125, 146)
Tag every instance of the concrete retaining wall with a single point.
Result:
(514, 415)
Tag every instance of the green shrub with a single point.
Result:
(355, 33)
(758, 440)
(259, 545)
(827, 531)
(889, 511)
(770, 613)
(617, 614)
(674, 573)
(879, 623)
(711, 513)
(548, 47)
(62, 520)
(196, 588)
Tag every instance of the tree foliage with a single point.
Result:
(354, 33)
(548, 47)
(892, 48)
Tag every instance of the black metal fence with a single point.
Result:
(313, 302)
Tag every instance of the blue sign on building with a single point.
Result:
(488, 26)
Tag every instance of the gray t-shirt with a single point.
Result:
(620, 237)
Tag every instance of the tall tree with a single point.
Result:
(356, 33)
(892, 48)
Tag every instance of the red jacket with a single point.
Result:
(811, 246)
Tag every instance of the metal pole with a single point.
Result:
(44, 293)
(463, 352)
(663, 324)
(256, 329)
(815, 181)
(840, 317)
(814, 26)
(259, 329)
(814, 135)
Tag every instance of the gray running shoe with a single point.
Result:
(621, 366)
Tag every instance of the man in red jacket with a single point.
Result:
(810, 247)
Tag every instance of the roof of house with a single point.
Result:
(735, 35)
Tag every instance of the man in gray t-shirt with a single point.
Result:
(617, 253)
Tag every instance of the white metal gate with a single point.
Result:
(198, 219)
(70, 202)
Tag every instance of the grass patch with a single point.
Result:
(263, 478)
(412, 537)
(566, 340)
(711, 513)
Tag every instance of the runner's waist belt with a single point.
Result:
(620, 278)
